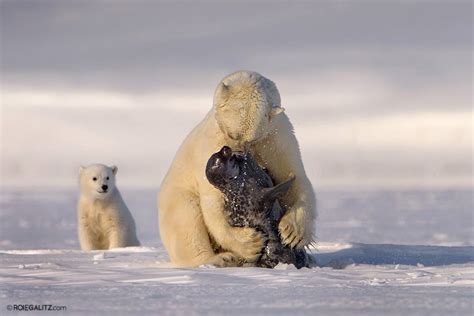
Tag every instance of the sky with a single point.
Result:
(379, 92)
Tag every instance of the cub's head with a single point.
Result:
(97, 180)
(221, 167)
(245, 104)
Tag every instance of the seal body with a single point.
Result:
(251, 200)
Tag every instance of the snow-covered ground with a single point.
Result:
(369, 261)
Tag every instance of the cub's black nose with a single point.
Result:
(105, 187)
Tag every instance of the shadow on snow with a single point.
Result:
(379, 254)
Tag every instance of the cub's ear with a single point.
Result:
(114, 169)
(277, 110)
(81, 168)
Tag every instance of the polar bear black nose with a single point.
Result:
(105, 187)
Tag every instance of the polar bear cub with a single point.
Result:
(104, 220)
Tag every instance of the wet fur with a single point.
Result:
(250, 200)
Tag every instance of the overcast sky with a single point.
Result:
(380, 92)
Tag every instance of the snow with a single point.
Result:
(377, 253)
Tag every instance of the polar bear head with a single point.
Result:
(97, 181)
(245, 103)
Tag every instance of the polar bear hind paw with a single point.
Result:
(225, 259)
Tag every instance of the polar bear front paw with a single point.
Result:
(249, 243)
(292, 231)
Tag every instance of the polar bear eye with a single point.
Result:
(95, 179)
(107, 178)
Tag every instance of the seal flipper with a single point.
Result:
(273, 193)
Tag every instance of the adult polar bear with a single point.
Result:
(246, 114)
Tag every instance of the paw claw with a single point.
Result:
(292, 233)
(300, 243)
(290, 243)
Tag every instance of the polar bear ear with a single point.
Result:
(223, 92)
(114, 169)
(224, 87)
(277, 110)
(81, 168)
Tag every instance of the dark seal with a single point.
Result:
(251, 200)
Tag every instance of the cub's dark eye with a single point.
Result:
(95, 179)
(107, 178)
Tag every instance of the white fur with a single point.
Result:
(104, 220)
(246, 114)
